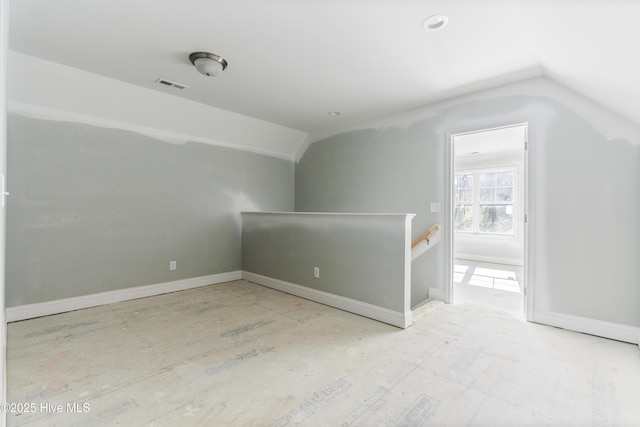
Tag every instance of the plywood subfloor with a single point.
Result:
(239, 354)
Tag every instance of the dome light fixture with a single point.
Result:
(435, 22)
(208, 64)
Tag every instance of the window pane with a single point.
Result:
(504, 194)
(505, 179)
(464, 196)
(464, 181)
(496, 187)
(488, 194)
(463, 190)
(463, 217)
(496, 219)
(487, 180)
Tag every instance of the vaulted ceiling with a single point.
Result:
(291, 62)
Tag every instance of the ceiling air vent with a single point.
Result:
(171, 84)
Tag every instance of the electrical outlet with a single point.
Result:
(316, 272)
(172, 265)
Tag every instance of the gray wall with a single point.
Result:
(361, 257)
(95, 209)
(394, 169)
(586, 191)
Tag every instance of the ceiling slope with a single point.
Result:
(293, 61)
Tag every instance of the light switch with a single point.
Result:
(435, 207)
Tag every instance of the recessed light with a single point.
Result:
(435, 22)
(334, 113)
(475, 152)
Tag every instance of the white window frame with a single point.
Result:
(476, 201)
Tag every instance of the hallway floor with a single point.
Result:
(488, 275)
(494, 285)
(239, 354)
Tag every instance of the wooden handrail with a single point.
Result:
(425, 235)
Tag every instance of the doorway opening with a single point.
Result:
(488, 217)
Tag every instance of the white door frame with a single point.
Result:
(527, 210)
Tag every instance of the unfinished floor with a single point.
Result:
(239, 354)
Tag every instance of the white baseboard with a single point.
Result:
(489, 259)
(435, 293)
(47, 308)
(615, 331)
(395, 318)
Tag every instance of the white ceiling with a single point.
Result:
(293, 61)
(490, 141)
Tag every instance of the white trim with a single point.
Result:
(489, 259)
(614, 331)
(47, 308)
(407, 262)
(449, 172)
(436, 293)
(529, 187)
(527, 202)
(395, 318)
(378, 214)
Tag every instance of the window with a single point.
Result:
(484, 202)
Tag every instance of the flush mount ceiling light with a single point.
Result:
(435, 22)
(334, 113)
(207, 63)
